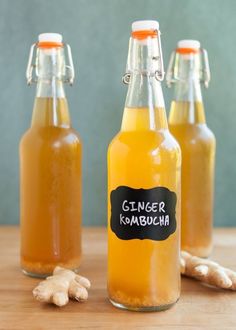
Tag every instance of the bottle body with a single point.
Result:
(143, 274)
(198, 145)
(50, 176)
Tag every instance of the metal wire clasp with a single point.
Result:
(69, 75)
(201, 64)
(31, 67)
(159, 74)
(205, 74)
(68, 72)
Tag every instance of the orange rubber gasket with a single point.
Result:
(49, 44)
(187, 50)
(143, 34)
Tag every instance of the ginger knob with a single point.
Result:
(207, 271)
(61, 286)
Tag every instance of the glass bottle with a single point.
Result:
(50, 166)
(143, 187)
(188, 68)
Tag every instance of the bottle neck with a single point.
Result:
(50, 88)
(187, 105)
(144, 106)
(188, 87)
(50, 108)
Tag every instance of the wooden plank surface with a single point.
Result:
(200, 307)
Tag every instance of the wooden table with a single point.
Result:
(200, 307)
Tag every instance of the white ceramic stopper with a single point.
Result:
(50, 37)
(145, 25)
(195, 44)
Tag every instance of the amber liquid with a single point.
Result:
(143, 274)
(197, 144)
(50, 190)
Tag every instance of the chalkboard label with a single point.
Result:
(143, 213)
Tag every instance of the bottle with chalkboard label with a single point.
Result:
(143, 186)
(189, 68)
(50, 166)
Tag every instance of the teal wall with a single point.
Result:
(98, 32)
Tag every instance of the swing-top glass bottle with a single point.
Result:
(188, 68)
(144, 186)
(50, 166)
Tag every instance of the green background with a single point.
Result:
(98, 32)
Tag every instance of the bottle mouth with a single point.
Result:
(49, 40)
(144, 29)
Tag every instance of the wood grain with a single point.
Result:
(200, 307)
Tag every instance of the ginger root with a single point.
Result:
(61, 286)
(207, 271)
